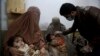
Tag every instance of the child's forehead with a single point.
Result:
(52, 34)
(18, 37)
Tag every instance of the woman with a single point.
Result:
(27, 25)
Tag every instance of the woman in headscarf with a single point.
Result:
(27, 25)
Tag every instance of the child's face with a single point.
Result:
(18, 42)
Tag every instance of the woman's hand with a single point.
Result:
(16, 52)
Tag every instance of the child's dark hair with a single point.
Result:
(48, 38)
(12, 39)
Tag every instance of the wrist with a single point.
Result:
(64, 33)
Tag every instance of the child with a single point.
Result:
(18, 43)
(57, 45)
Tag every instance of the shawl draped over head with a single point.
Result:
(54, 26)
(27, 26)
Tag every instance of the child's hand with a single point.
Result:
(42, 51)
(37, 53)
(31, 52)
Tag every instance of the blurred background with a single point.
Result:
(48, 8)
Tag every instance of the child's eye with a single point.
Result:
(17, 41)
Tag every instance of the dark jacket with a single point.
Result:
(87, 23)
